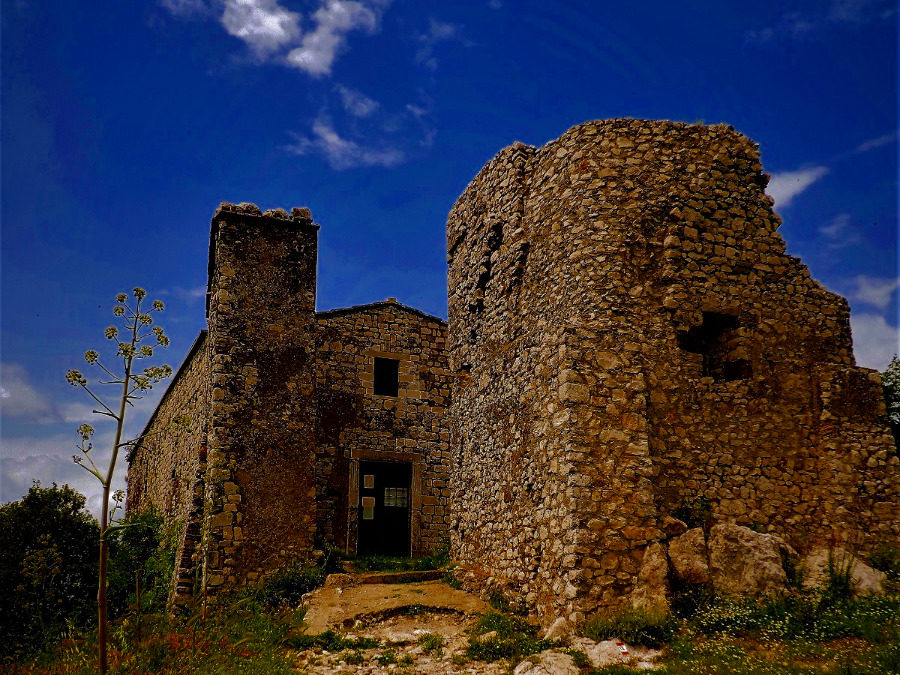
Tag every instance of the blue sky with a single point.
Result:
(124, 124)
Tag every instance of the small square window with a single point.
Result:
(387, 377)
(369, 481)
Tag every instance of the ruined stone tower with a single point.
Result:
(629, 339)
(261, 448)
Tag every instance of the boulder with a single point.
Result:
(608, 652)
(548, 663)
(687, 554)
(745, 563)
(865, 579)
(561, 629)
(652, 588)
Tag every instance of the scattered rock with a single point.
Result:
(651, 591)
(688, 556)
(340, 580)
(548, 663)
(865, 579)
(608, 652)
(745, 563)
(561, 629)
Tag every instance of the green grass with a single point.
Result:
(514, 639)
(438, 559)
(432, 643)
(634, 627)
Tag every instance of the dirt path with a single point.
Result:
(343, 601)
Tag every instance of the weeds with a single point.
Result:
(512, 638)
(634, 627)
(432, 643)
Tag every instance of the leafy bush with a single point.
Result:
(48, 568)
(331, 642)
(887, 559)
(286, 587)
(633, 626)
(146, 546)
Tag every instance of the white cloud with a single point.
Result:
(808, 25)
(874, 340)
(334, 19)
(342, 153)
(495, 4)
(438, 31)
(839, 233)
(874, 291)
(19, 397)
(186, 9)
(355, 102)
(783, 187)
(873, 143)
(264, 25)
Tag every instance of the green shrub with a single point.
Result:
(286, 587)
(514, 639)
(887, 559)
(432, 643)
(633, 626)
(48, 569)
(387, 658)
(331, 642)
(146, 546)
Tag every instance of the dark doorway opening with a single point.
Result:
(385, 496)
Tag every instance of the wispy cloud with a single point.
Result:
(495, 4)
(840, 232)
(20, 398)
(783, 187)
(874, 291)
(342, 153)
(336, 18)
(187, 9)
(355, 102)
(438, 31)
(878, 142)
(264, 25)
(810, 25)
(875, 341)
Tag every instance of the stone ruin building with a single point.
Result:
(297, 417)
(628, 342)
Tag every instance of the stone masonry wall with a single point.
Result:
(166, 471)
(629, 337)
(260, 492)
(163, 468)
(354, 423)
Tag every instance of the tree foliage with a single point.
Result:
(48, 567)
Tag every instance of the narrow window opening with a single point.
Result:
(716, 339)
(387, 377)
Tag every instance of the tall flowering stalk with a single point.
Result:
(132, 346)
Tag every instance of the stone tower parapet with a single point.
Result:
(630, 341)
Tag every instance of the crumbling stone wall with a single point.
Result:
(166, 471)
(353, 423)
(628, 337)
(162, 470)
(260, 508)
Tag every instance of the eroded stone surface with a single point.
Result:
(745, 563)
(864, 578)
(688, 556)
